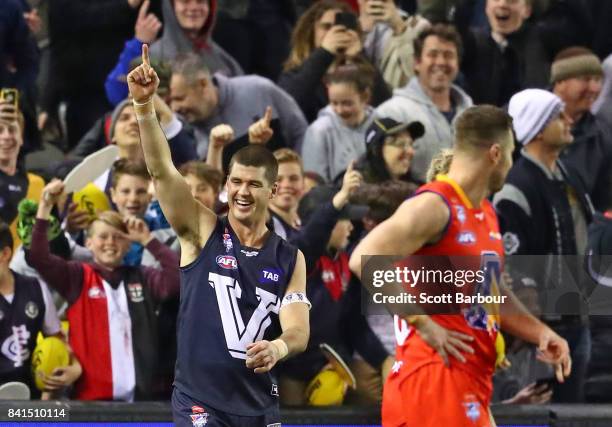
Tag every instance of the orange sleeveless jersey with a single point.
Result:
(472, 233)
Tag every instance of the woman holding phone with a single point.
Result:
(327, 35)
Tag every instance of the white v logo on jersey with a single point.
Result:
(237, 335)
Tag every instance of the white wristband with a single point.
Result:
(138, 104)
(282, 348)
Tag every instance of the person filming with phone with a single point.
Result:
(326, 36)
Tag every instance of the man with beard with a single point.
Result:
(445, 360)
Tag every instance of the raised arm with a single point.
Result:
(263, 355)
(192, 221)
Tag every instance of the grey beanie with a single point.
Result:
(531, 111)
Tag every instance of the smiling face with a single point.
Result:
(347, 103)
(397, 153)
(507, 16)
(107, 244)
(579, 93)
(126, 133)
(10, 142)
(290, 186)
(131, 195)
(248, 193)
(190, 99)
(558, 132)
(438, 65)
(191, 14)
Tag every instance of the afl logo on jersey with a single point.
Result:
(466, 238)
(227, 262)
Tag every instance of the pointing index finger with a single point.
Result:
(268, 116)
(144, 8)
(145, 55)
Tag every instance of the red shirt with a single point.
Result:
(473, 241)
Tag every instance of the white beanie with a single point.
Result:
(531, 111)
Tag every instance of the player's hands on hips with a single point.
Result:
(142, 80)
(445, 341)
(554, 350)
(262, 356)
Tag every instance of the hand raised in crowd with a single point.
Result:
(337, 40)
(260, 132)
(138, 230)
(221, 135)
(385, 11)
(554, 350)
(350, 183)
(143, 80)
(52, 192)
(76, 219)
(33, 21)
(147, 25)
(355, 46)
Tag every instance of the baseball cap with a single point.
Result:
(324, 194)
(383, 127)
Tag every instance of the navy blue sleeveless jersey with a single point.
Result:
(20, 323)
(230, 297)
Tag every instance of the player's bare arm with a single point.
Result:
(263, 355)
(518, 321)
(192, 221)
(418, 221)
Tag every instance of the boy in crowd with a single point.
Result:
(111, 306)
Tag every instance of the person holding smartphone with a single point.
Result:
(328, 34)
(389, 39)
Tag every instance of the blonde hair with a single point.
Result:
(440, 164)
(287, 155)
(112, 218)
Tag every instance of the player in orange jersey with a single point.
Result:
(442, 375)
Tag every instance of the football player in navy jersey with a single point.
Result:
(243, 302)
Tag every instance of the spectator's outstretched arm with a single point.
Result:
(192, 221)
(66, 277)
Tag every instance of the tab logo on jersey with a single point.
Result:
(227, 262)
(466, 238)
(270, 275)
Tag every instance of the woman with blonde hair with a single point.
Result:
(319, 45)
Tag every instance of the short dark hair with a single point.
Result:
(445, 32)
(257, 156)
(190, 66)
(203, 172)
(6, 237)
(128, 167)
(481, 126)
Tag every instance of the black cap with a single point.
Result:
(381, 128)
(322, 194)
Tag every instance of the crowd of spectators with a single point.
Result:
(357, 100)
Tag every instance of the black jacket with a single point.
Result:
(590, 157)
